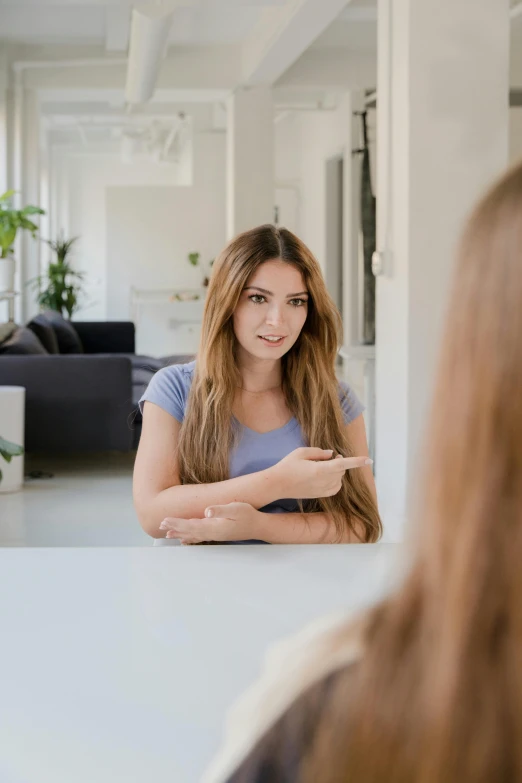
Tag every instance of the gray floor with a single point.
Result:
(86, 502)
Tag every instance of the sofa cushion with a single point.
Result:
(45, 333)
(22, 341)
(66, 334)
(6, 330)
(140, 380)
(178, 358)
(143, 368)
(150, 363)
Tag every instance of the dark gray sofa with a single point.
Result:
(83, 381)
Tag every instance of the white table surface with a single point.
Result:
(118, 665)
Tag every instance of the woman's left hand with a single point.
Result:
(231, 522)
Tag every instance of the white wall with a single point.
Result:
(304, 141)
(443, 123)
(163, 217)
(150, 230)
(168, 223)
(83, 188)
(324, 134)
(287, 150)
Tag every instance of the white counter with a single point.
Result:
(117, 665)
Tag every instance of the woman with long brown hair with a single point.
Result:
(427, 687)
(257, 440)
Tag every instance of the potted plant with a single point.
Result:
(9, 450)
(10, 221)
(60, 287)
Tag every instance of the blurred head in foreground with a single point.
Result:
(434, 694)
(438, 694)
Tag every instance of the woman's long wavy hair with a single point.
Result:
(438, 695)
(308, 376)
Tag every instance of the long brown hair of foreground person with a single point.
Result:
(438, 693)
(309, 382)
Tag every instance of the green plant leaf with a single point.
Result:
(28, 224)
(61, 246)
(7, 236)
(29, 210)
(9, 450)
(13, 219)
(193, 258)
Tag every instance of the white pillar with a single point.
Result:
(4, 156)
(443, 80)
(17, 170)
(250, 159)
(4, 84)
(44, 201)
(58, 192)
(31, 195)
(54, 168)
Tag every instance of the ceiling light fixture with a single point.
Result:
(150, 28)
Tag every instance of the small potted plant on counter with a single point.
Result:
(9, 450)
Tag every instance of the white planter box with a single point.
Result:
(7, 274)
(12, 421)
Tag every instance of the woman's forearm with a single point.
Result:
(189, 501)
(295, 528)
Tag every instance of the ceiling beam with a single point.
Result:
(81, 101)
(94, 3)
(283, 35)
(187, 68)
(117, 28)
(333, 68)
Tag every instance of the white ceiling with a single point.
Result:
(60, 22)
(203, 22)
(320, 58)
(77, 106)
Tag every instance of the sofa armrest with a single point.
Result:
(106, 336)
(73, 402)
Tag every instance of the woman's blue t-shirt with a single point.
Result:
(255, 451)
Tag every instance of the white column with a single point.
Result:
(58, 192)
(54, 168)
(3, 121)
(45, 200)
(17, 173)
(250, 159)
(4, 157)
(62, 214)
(351, 219)
(30, 258)
(442, 137)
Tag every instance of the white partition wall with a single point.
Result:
(443, 81)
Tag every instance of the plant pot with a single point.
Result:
(12, 428)
(7, 274)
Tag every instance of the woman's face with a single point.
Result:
(271, 310)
